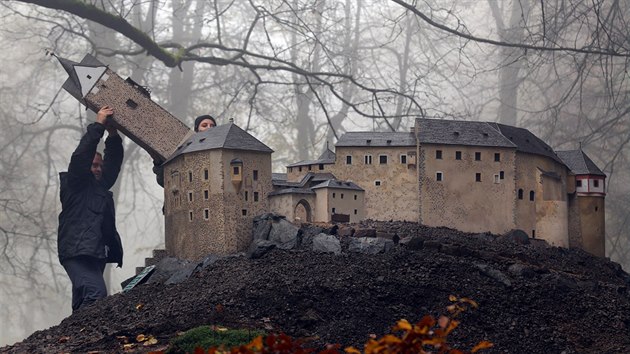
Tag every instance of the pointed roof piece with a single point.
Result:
(76, 84)
(579, 163)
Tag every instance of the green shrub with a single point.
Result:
(212, 336)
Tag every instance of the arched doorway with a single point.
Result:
(302, 211)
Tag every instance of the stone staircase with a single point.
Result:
(158, 255)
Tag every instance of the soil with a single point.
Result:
(532, 298)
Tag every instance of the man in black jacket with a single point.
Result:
(87, 236)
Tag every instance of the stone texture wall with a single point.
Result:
(295, 174)
(344, 202)
(396, 196)
(544, 217)
(213, 214)
(147, 124)
(574, 227)
(461, 202)
(592, 224)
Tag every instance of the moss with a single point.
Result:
(206, 337)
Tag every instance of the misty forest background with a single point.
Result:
(296, 74)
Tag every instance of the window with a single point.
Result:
(341, 196)
(244, 212)
(368, 159)
(333, 210)
(458, 155)
(382, 159)
(189, 176)
(246, 195)
(290, 169)
(403, 158)
(496, 179)
(321, 166)
(533, 233)
(438, 176)
(355, 197)
(578, 183)
(237, 170)
(497, 156)
(190, 215)
(206, 194)
(596, 183)
(477, 156)
(520, 194)
(377, 183)
(205, 174)
(255, 175)
(531, 195)
(309, 167)
(348, 160)
(355, 212)
(255, 196)
(190, 196)
(300, 169)
(206, 214)
(478, 177)
(334, 194)
(438, 154)
(501, 174)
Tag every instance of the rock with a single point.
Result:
(384, 234)
(261, 229)
(413, 243)
(168, 267)
(181, 275)
(326, 243)
(283, 234)
(345, 231)
(431, 244)
(517, 236)
(370, 245)
(259, 248)
(521, 270)
(494, 274)
(455, 250)
(365, 233)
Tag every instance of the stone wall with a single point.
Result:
(343, 201)
(295, 174)
(459, 200)
(592, 224)
(390, 189)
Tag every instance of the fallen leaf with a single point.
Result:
(64, 339)
(139, 306)
(129, 346)
(219, 308)
(82, 329)
(150, 341)
(140, 338)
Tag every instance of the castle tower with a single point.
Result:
(587, 193)
(215, 183)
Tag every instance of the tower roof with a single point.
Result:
(226, 136)
(82, 76)
(579, 163)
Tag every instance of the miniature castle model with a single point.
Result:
(471, 176)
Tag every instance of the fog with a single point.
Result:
(295, 74)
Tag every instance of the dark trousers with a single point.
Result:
(86, 275)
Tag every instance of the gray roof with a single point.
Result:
(311, 176)
(376, 139)
(226, 136)
(278, 176)
(327, 157)
(291, 191)
(453, 132)
(579, 163)
(526, 141)
(333, 183)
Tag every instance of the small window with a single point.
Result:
(520, 194)
(333, 210)
(438, 154)
(300, 169)
(403, 159)
(290, 169)
(255, 196)
(348, 160)
(206, 194)
(501, 174)
(596, 208)
(206, 214)
(438, 176)
(368, 159)
(355, 212)
(477, 156)
(189, 176)
(334, 194)
(497, 179)
(497, 156)
(255, 175)
(205, 174)
(341, 196)
(382, 159)
(531, 195)
(321, 166)
(237, 170)
(190, 215)
(458, 155)
(244, 212)
(578, 183)
(190, 196)
(355, 197)
(309, 167)
(377, 183)
(533, 233)
(246, 195)
(478, 177)
(596, 183)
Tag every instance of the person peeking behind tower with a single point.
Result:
(87, 237)
(202, 123)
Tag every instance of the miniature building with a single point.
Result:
(135, 114)
(215, 183)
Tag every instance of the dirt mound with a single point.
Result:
(533, 299)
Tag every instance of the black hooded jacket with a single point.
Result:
(87, 222)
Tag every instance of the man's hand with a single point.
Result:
(101, 116)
